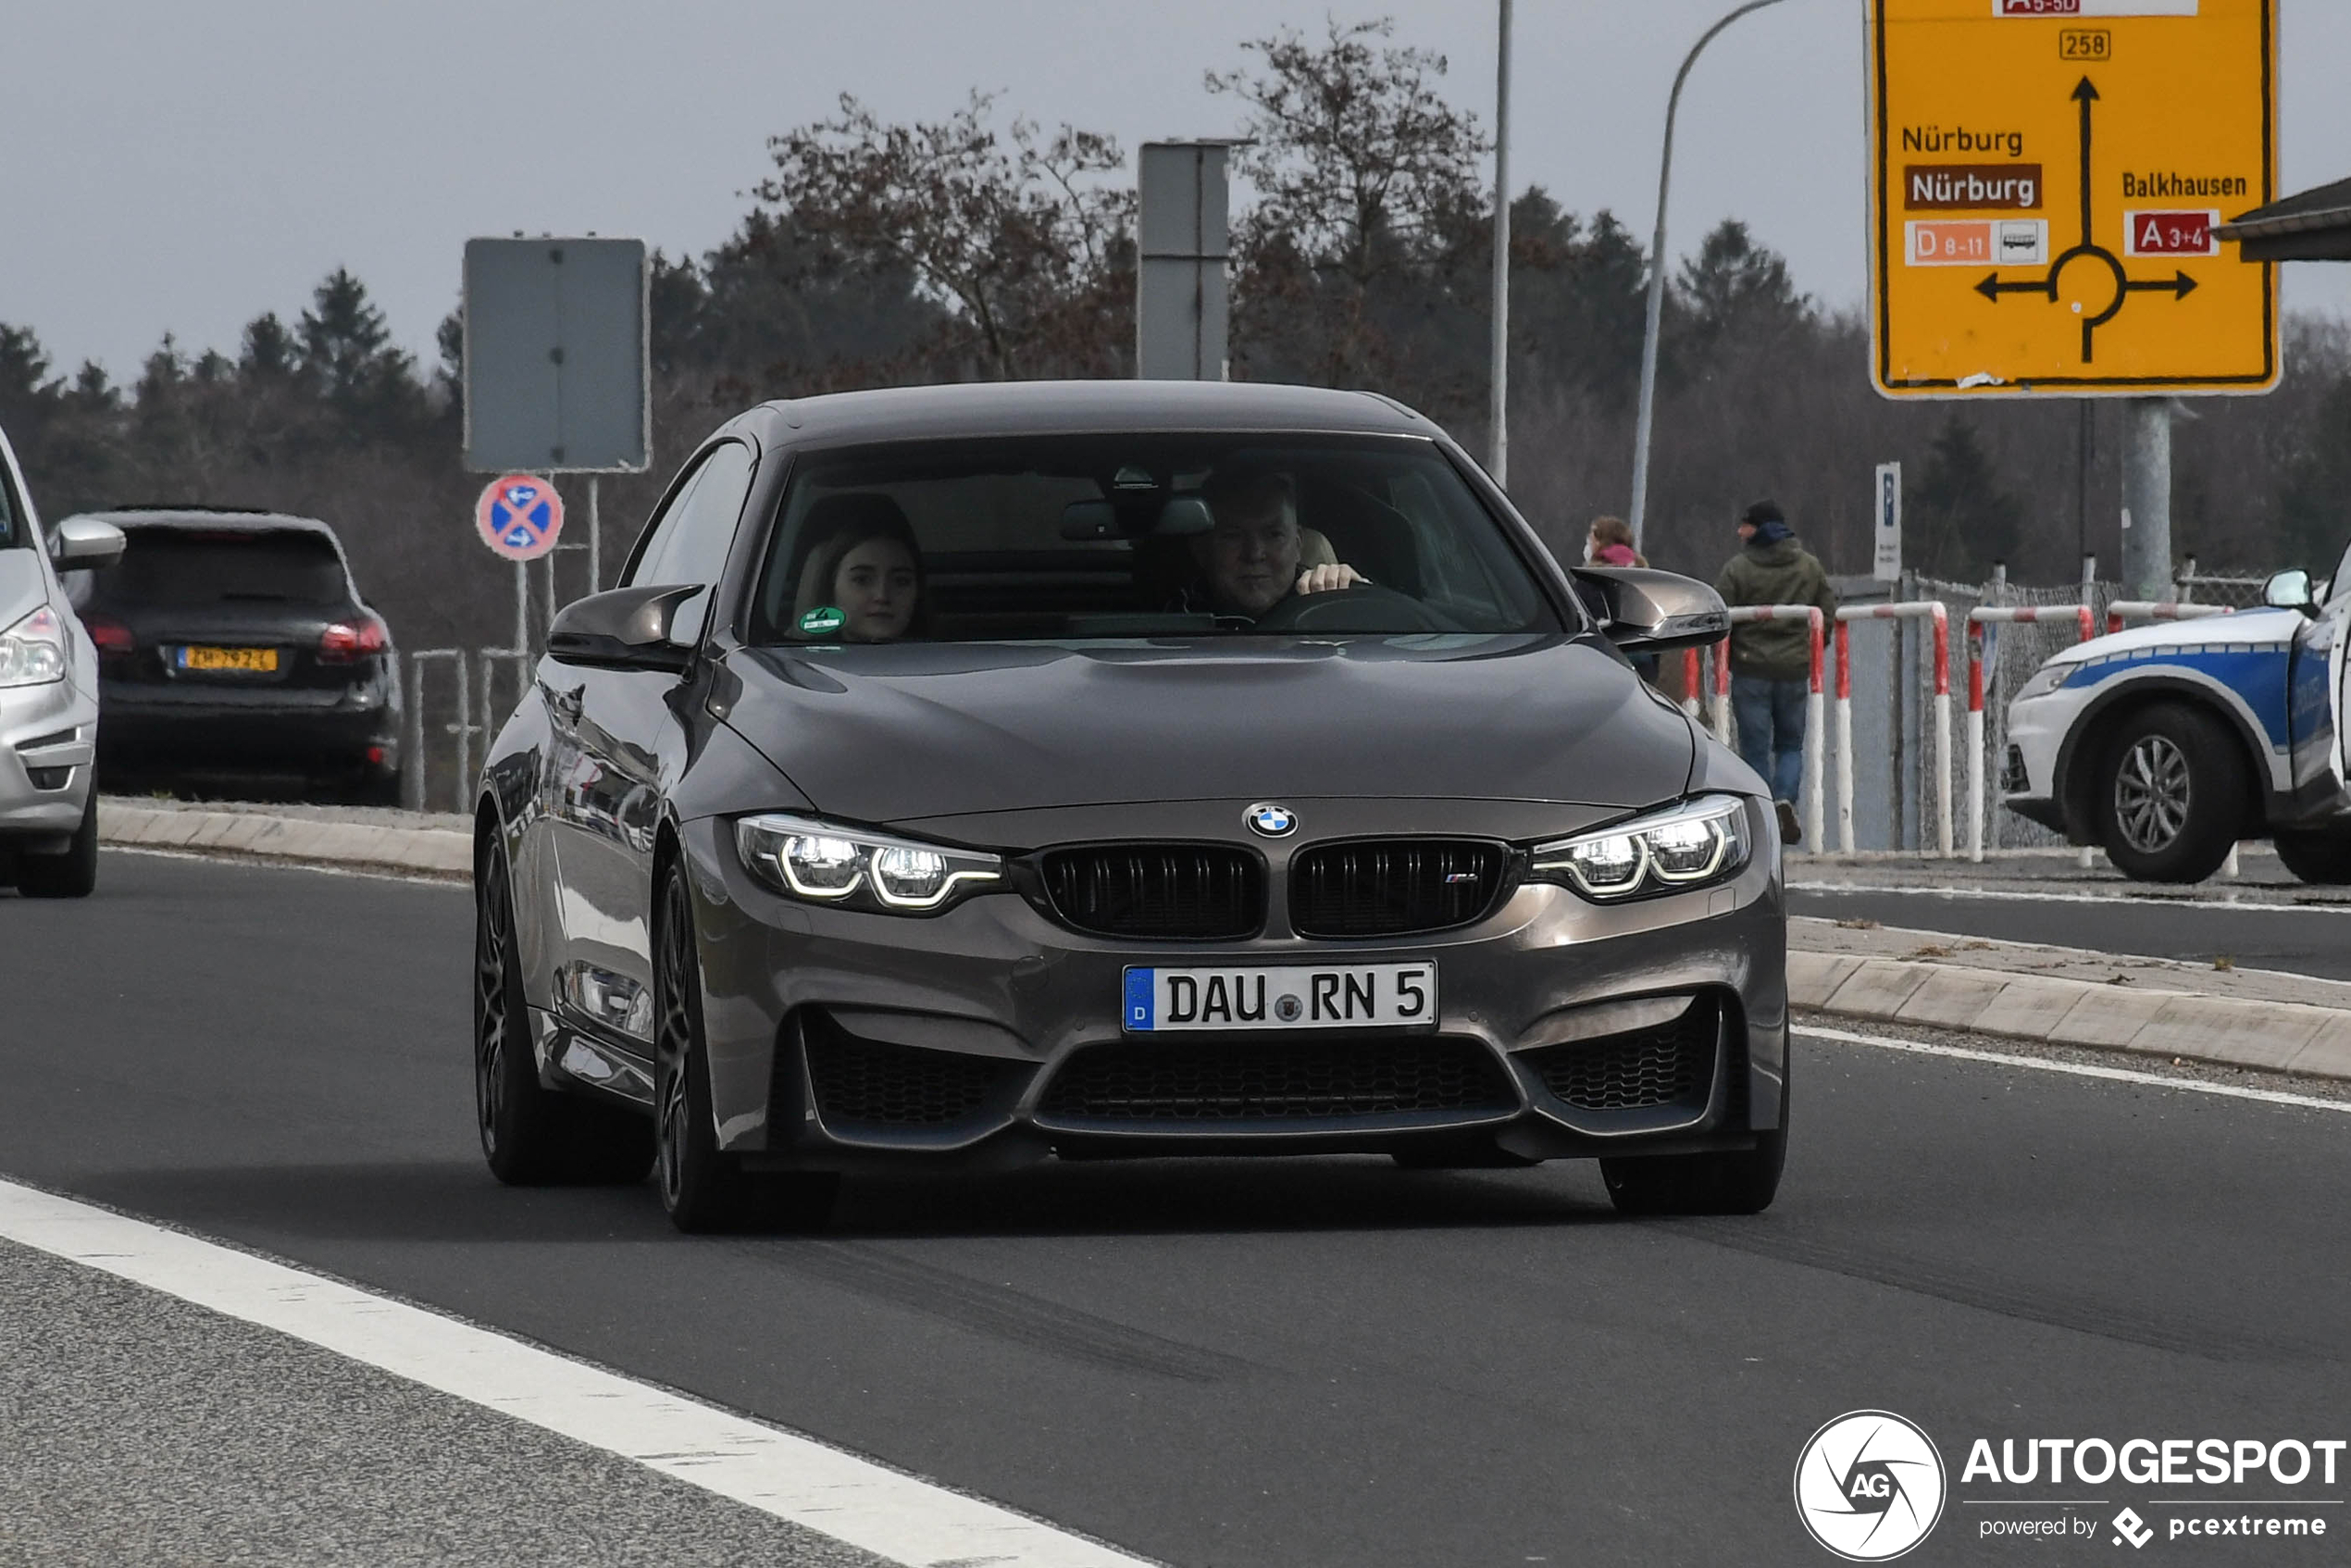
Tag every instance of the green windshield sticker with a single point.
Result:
(823, 621)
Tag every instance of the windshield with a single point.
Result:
(184, 568)
(1086, 537)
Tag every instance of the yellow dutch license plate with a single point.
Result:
(256, 661)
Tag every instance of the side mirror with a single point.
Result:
(2288, 589)
(85, 543)
(1643, 611)
(626, 628)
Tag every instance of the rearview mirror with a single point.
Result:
(84, 543)
(1184, 515)
(2288, 589)
(1644, 611)
(626, 628)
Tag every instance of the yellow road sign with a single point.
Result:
(2046, 175)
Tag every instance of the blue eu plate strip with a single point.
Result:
(1140, 1004)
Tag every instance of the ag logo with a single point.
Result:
(1869, 1485)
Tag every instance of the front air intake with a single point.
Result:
(1272, 1079)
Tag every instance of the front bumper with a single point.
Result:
(318, 733)
(991, 1033)
(2036, 730)
(47, 739)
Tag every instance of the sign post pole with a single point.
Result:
(595, 541)
(2146, 500)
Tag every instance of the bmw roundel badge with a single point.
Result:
(1269, 820)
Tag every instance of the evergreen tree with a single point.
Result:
(348, 355)
(1735, 292)
(1959, 518)
(270, 352)
(1576, 310)
(2314, 501)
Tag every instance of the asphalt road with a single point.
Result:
(1293, 1363)
(2265, 932)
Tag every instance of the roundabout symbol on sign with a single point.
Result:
(519, 516)
(2106, 285)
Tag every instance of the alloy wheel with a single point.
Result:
(2151, 793)
(674, 1039)
(493, 1022)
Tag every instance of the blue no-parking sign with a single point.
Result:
(519, 516)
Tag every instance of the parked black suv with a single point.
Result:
(233, 648)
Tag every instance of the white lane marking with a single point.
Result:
(2078, 1069)
(2131, 901)
(783, 1473)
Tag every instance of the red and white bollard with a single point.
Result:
(1977, 618)
(1925, 609)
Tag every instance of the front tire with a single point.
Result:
(1738, 1181)
(533, 1136)
(71, 875)
(2172, 794)
(2320, 858)
(703, 1188)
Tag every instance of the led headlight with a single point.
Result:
(824, 863)
(1696, 842)
(32, 652)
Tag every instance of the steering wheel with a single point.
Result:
(1364, 608)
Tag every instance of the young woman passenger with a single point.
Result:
(864, 562)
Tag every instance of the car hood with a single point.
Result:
(22, 587)
(2259, 626)
(887, 734)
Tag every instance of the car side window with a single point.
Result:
(690, 541)
(2341, 583)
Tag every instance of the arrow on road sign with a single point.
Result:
(2084, 93)
(2180, 285)
(1994, 286)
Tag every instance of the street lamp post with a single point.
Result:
(1500, 377)
(1657, 276)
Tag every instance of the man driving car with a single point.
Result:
(1256, 556)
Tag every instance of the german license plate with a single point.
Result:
(1339, 996)
(256, 661)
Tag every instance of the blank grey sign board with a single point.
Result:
(1181, 236)
(556, 357)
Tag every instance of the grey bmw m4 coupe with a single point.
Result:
(964, 776)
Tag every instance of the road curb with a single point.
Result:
(2275, 1036)
(422, 852)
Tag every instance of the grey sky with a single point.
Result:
(185, 166)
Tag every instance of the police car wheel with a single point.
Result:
(2172, 795)
(2320, 858)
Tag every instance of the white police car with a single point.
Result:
(2167, 743)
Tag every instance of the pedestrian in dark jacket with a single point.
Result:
(1771, 661)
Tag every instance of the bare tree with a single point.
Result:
(1366, 181)
(1016, 232)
